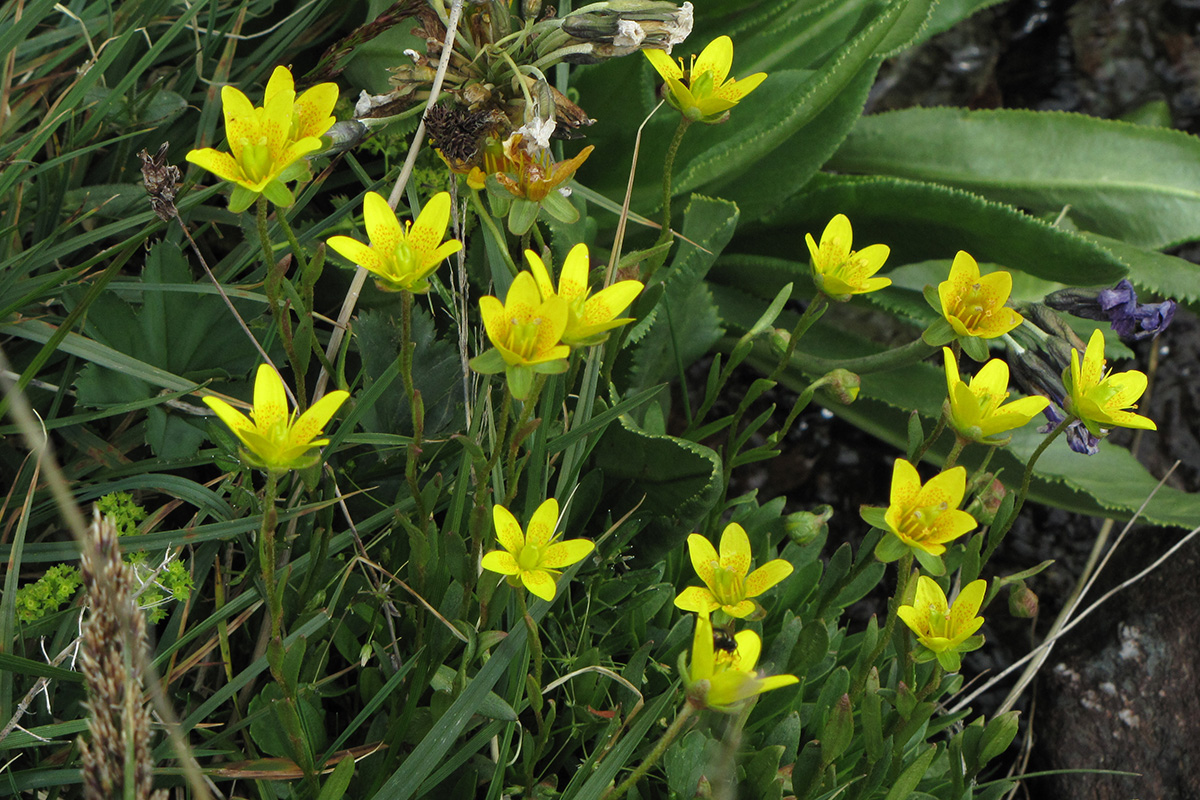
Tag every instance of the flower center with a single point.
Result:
(939, 622)
(974, 306)
(918, 521)
(404, 261)
(523, 336)
(530, 557)
(727, 586)
(256, 159)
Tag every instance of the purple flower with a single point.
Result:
(1119, 307)
(1079, 438)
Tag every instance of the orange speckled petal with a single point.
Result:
(607, 303)
(716, 58)
(317, 416)
(281, 85)
(381, 223)
(220, 164)
(542, 525)
(967, 604)
(313, 109)
(540, 583)
(508, 530)
(430, 228)
(946, 487)
(270, 400)
(767, 576)
(356, 252)
(735, 549)
(695, 598)
(540, 274)
(500, 561)
(906, 483)
(704, 557)
(663, 64)
(573, 282)
(564, 554)
(236, 420)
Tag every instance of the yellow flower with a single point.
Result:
(840, 272)
(926, 517)
(526, 332)
(274, 439)
(401, 258)
(945, 631)
(702, 93)
(533, 558)
(729, 586)
(589, 316)
(976, 411)
(1099, 399)
(974, 304)
(722, 679)
(268, 144)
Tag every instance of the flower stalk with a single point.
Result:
(681, 719)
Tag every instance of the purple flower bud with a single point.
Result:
(1079, 438)
(1119, 307)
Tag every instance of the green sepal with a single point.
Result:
(916, 435)
(932, 297)
(560, 208)
(278, 194)
(929, 562)
(241, 198)
(939, 333)
(890, 549)
(551, 367)
(950, 660)
(500, 199)
(521, 216)
(295, 171)
(875, 516)
(976, 348)
(923, 654)
(520, 381)
(489, 362)
(971, 643)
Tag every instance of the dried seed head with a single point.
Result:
(161, 180)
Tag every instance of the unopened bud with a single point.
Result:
(805, 526)
(844, 385)
(1022, 602)
(989, 501)
(780, 339)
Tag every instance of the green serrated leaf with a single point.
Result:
(1134, 183)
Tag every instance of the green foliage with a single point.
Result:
(329, 633)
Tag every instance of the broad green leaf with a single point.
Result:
(732, 148)
(1131, 182)
(923, 221)
(1169, 276)
(680, 481)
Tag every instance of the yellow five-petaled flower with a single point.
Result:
(1100, 399)
(401, 258)
(703, 92)
(973, 304)
(526, 332)
(268, 144)
(978, 411)
(945, 631)
(589, 316)
(533, 558)
(722, 679)
(925, 517)
(272, 438)
(840, 272)
(729, 584)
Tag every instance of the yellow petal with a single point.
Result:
(704, 557)
(695, 598)
(716, 58)
(313, 420)
(508, 531)
(357, 253)
(966, 605)
(740, 609)
(220, 164)
(666, 66)
(929, 596)
(540, 274)
(494, 323)
(500, 561)
(234, 419)
(701, 666)
(951, 365)
(430, 228)
(767, 576)
(540, 583)
(573, 281)
(946, 487)
(314, 110)
(270, 400)
(906, 483)
(541, 527)
(382, 225)
(280, 85)
(564, 554)
(736, 90)
(749, 648)
(735, 549)
(607, 303)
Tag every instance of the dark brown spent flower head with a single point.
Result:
(161, 181)
(111, 657)
(459, 134)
